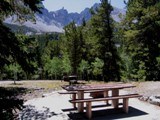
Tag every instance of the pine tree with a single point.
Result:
(142, 37)
(72, 44)
(102, 24)
(9, 44)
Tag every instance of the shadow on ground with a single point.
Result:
(109, 114)
(31, 113)
(10, 103)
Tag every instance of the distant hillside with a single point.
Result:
(54, 21)
(21, 29)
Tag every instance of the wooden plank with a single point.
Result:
(68, 92)
(89, 110)
(93, 91)
(75, 92)
(97, 87)
(106, 95)
(104, 99)
(115, 93)
(80, 104)
(74, 98)
(90, 100)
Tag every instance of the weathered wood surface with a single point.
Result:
(105, 98)
(89, 101)
(90, 87)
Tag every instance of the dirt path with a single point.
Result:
(56, 107)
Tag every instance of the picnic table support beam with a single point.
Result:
(125, 104)
(106, 95)
(80, 105)
(115, 92)
(89, 110)
(74, 98)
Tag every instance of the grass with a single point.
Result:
(34, 88)
(36, 84)
(42, 84)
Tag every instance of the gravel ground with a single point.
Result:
(147, 88)
(56, 107)
(150, 91)
(46, 104)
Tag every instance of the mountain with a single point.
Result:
(54, 21)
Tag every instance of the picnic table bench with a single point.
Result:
(74, 93)
(89, 101)
(79, 91)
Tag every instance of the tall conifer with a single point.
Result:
(142, 37)
(102, 24)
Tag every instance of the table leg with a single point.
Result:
(106, 95)
(73, 98)
(115, 92)
(125, 105)
(89, 109)
(80, 105)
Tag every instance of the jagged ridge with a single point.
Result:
(54, 21)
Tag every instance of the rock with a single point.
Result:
(157, 97)
(154, 100)
(144, 98)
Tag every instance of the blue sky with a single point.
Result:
(77, 5)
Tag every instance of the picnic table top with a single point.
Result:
(106, 86)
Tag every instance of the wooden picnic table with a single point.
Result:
(81, 89)
(88, 87)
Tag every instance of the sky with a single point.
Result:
(77, 5)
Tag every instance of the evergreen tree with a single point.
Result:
(23, 9)
(103, 30)
(72, 45)
(142, 37)
(9, 44)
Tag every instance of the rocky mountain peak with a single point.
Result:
(54, 21)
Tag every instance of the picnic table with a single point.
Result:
(80, 90)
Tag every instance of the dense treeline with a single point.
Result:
(99, 49)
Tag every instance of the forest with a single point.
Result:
(100, 49)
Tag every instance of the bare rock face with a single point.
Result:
(54, 21)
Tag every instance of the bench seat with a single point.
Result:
(89, 101)
(73, 93)
(68, 92)
(105, 98)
